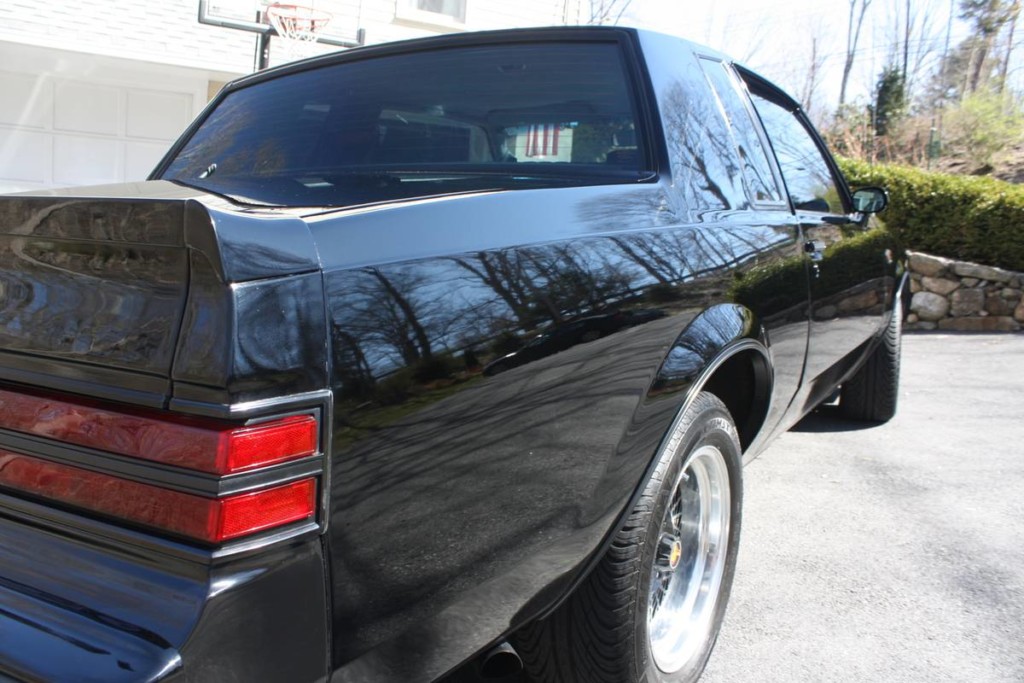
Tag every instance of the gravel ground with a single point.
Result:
(891, 553)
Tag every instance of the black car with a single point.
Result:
(247, 427)
(563, 335)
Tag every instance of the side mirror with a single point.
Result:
(870, 200)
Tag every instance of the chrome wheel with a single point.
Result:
(650, 611)
(689, 561)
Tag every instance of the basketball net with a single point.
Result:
(299, 25)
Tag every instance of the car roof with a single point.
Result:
(469, 38)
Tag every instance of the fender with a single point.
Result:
(720, 335)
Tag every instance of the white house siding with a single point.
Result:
(93, 91)
(160, 31)
(385, 21)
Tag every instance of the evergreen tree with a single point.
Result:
(890, 99)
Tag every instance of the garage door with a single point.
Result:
(58, 131)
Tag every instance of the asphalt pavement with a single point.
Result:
(890, 553)
(894, 552)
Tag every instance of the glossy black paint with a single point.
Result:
(68, 270)
(120, 295)
(459, 504)
(70, 608)
(447, 479)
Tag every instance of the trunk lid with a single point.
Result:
(95, 282)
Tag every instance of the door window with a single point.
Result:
(805, 171)
(757, 172)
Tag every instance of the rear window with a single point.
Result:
(422, 123)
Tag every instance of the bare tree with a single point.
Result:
(913, 39)
(607, 11)
(858, 8)
(1014, 12)
(506, 274)
(988, 18)
(810, 84)
(907, 24)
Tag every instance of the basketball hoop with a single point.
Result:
(298, 24)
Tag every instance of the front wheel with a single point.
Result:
(651, 610)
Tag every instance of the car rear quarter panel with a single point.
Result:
(463, 505)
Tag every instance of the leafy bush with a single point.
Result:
(983, 125)
(966, 218)
(434, 368)
(662, 293)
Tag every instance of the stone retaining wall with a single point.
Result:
(963, 297)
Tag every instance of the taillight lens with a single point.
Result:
(212, 520)
(265, 444)
(213, 447)
(248, 513)
(203, 445)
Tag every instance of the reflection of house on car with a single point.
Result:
(95, 91)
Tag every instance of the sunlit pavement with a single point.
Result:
(891, 553)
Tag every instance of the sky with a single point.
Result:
(773, 37)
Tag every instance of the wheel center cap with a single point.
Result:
(675, 554)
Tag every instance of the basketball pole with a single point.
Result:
(262, 57)
(262, 60)
(264, 32)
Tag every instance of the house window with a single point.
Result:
(433, 11)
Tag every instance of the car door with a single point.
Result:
(848, 263)
(778, 292)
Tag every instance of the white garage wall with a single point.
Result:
(94, 92)
(73, 119)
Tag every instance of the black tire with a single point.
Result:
(600, 635)
(872, 393)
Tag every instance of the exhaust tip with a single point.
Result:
(500, 661)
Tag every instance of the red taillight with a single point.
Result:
(204, 445)
(212, 520)
(248, 513)
(211, 449)
(267, 444)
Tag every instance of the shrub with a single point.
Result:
(434, 368)
(506, 343)
(983, 125)
(966, 218)
(395, 389)
(662, 293)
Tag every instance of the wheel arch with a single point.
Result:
(723, 351)
(742, 380)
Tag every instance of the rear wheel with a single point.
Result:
(651, 610)
(871, 394)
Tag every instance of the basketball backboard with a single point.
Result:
(250, 15)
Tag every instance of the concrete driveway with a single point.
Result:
(891, 553)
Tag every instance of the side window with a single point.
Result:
(804, 169)
(757, 171)
(705, 168)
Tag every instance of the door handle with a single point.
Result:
(811, 222)
(814, 249)
(838, 220)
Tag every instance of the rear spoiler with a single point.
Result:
(153, 293)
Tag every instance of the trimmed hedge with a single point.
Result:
(960, 217)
